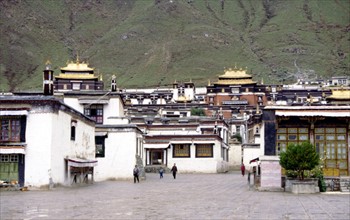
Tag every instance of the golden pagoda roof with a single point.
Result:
(235, 76)
(77, 67)
(340, 94)
(77, 70)
(181, 99)
(76, 76)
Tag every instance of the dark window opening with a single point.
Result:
(100, 146)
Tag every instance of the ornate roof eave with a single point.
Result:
(235, 82)
(76, 76)
(77, 67)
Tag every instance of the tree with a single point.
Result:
(299, 157)
(197, 112)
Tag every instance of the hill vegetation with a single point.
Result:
(155, 42)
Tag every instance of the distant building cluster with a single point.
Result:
(76, 131)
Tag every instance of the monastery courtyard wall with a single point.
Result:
(190, 196)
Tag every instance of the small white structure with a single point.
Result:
(46, 141)
(118, 149)
(194, 144)
(119, 145)
(270, 178)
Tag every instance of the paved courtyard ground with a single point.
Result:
(190, 196)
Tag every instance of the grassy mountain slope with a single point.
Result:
(155, 42)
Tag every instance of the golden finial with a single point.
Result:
(101, 79)
(262, 81)
(190, 80)
(48, 65)
(209, 82)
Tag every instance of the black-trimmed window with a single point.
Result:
(181, 150)
(73, 125)
(95, 112)
(100, 146)
(204, 150)
(10, 130)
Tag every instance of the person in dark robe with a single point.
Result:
(174, 170)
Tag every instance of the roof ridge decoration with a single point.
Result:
(234, 76)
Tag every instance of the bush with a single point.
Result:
(197, 112)
(299, 158)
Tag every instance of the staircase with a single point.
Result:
(155, 168)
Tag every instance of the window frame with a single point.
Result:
(13, 132)
(209, 154)
(177, 154)
(73, 126)
(98, 112)
(100, 140)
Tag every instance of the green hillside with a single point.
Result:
(155, 42)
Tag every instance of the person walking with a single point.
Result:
(174, 170)
(243, 169)
(136, 173)
(161, 171)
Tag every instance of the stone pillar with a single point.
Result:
(270, 173)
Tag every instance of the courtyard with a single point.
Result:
(190, 196)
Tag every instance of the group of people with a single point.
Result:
(136, 172)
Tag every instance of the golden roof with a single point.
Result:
(340, 94)
(77, 67)
(235, 76)
(77, 70)
(76, 76)
(182, 99)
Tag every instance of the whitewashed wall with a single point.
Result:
(38, 150)
(235, 156)
(119, 160)
(49, 143)
(74, 103)
(114, 108)
(202, 165)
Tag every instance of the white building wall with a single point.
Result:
(114, 108)
(189, 93)
(235, 156)
(38, 149)
(119, 160)
(49, 143)
(262, 139)
(193, 164)
(74, 103)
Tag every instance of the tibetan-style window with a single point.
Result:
(181, 150)
(100, 146)
(72, 129)
(10, 130)
(204, 150)
(95, 112)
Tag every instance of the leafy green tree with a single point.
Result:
(197, 112)
(299, 157)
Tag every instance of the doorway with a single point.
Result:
(156, 157)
